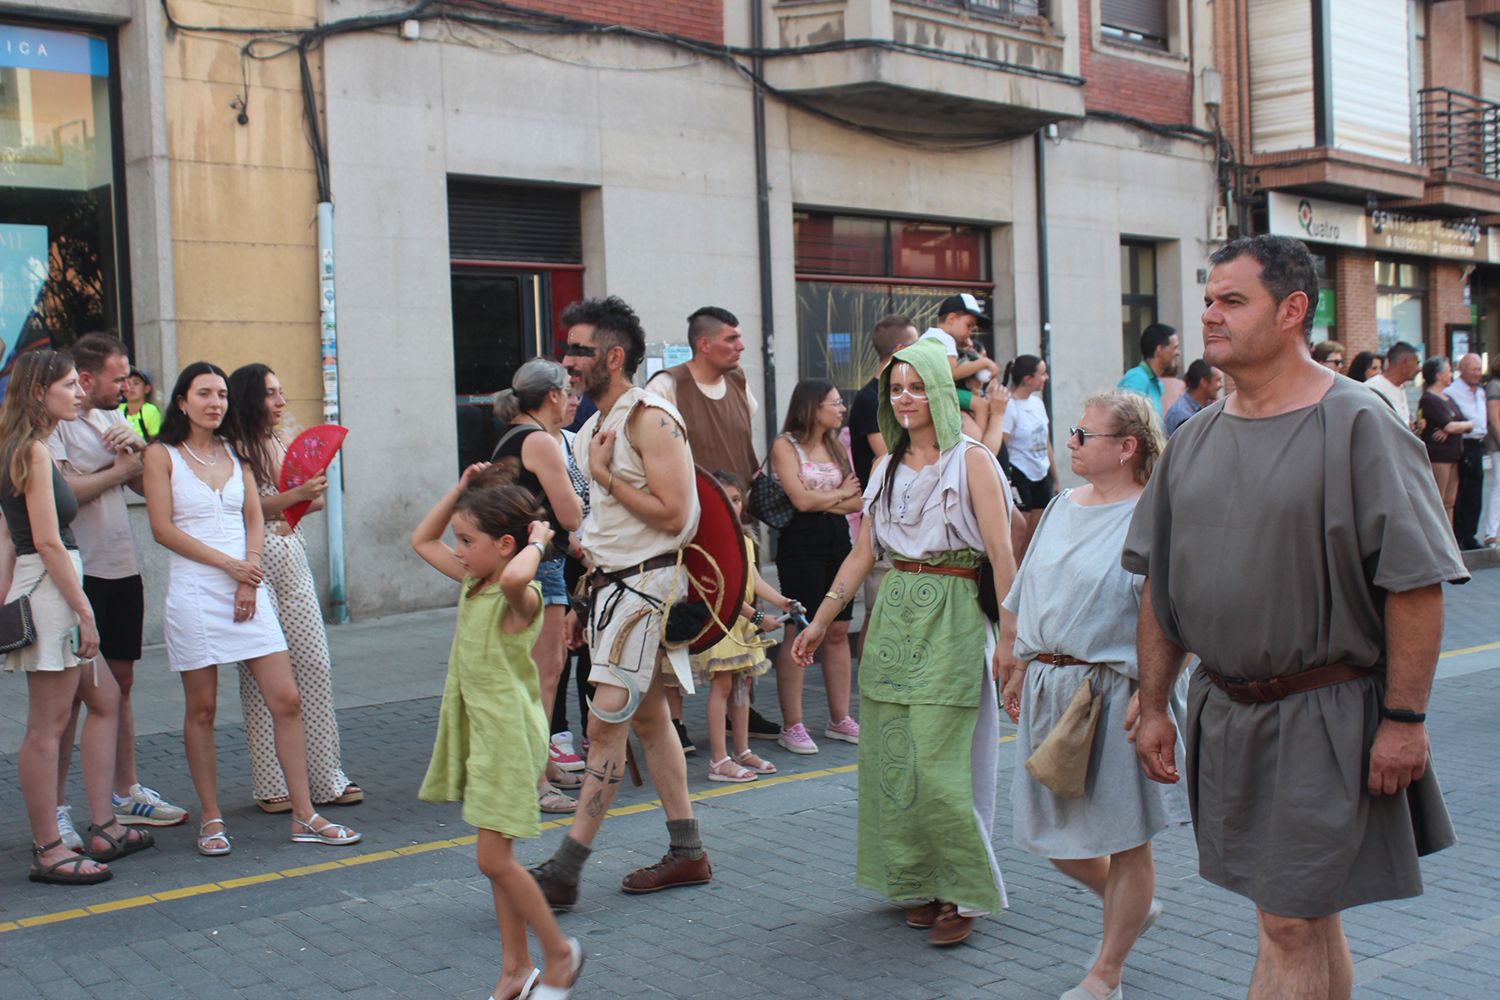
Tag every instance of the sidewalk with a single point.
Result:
(405, 914)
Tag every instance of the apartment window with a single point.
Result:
(1140, 22)
(852, 270)
(516, 260)
(62, 260)
(1137, 295)
(1400, 303)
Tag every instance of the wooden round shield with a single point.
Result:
(716, 563)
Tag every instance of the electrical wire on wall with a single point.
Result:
(268, 42)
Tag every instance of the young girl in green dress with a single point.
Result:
(491, 744)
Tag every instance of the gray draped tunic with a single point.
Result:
(1269, 546)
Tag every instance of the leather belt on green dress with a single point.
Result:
(1269, 689)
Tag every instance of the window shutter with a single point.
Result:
(504, 222)
(1146, 17)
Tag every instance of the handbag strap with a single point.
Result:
(35, 585)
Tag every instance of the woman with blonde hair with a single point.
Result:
(46, 568)
(1069, 621)
(814, 469)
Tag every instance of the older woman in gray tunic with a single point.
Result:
(1071, 617)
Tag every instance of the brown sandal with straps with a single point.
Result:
(129, 842)
(54, 874)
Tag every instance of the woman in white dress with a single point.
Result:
(196, 491)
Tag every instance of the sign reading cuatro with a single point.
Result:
(1319, 221)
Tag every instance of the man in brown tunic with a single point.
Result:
(1273, 550)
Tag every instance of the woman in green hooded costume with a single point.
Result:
(936, 505)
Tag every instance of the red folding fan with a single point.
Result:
(309, 456)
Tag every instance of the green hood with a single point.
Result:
(931, 363)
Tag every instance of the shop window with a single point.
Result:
(1400, 304)
(1140, 22)
(62, 270)
(1137, 296)
(852, 270)
(1325, 317)
(516, 261)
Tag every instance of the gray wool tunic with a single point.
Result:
(1269, 546)
(1071, 596)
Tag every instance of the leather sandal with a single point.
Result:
(279, 804)
(950, 928)
(725, 769)
(213, 844)
(351, 795)
(129, 842)
(924, 916)
(57, 873)
(754, 762)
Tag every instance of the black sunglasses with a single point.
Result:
(1082, 436)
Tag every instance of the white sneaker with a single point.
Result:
(145, 807)
(66, 830)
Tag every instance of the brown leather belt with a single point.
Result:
(600, 577)
(1269, 689)
(966, 572)
(1063, 660)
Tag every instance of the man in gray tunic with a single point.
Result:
(1309, 582)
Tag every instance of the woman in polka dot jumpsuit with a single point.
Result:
(255, 409)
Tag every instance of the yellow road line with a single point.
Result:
(167, 895)
(1469, 649)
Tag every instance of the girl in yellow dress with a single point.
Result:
(491, 744)
(728, 666)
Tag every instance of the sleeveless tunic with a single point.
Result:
(491, 744)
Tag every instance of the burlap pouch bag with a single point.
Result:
(1062, 761)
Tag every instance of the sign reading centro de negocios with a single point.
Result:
(25, 47)
(1319, 221)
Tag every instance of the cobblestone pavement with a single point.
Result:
(405, 915)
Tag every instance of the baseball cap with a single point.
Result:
(141, 374)
(963, 302)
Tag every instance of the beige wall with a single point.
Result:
(243, 204)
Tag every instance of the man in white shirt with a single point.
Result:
(99, 454)
(1401, 364)
(1467, 394)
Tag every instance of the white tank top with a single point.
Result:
(612, 536)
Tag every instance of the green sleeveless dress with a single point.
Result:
(491, 744)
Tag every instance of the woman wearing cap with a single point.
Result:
(142, 414)
(937, 505)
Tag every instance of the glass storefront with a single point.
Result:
(61, 272)
(853, 270)
(1400, 303)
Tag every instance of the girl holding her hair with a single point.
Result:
(537, 401)
(491, 745)
(218, 609)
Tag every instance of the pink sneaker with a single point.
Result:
(845, 729)
(563, 756)
(796, 740)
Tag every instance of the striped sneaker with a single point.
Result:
(145, 807)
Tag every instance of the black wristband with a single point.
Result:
(1402, 715)
(757, 618)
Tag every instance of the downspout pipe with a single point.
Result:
(769, 408)
(338, 606)
(1044, 293)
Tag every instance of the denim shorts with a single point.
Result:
(554, 588)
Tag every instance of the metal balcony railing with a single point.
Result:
(1458, 131)
(1000, 8)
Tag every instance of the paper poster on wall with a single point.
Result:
(676, 354)
(23, 274)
